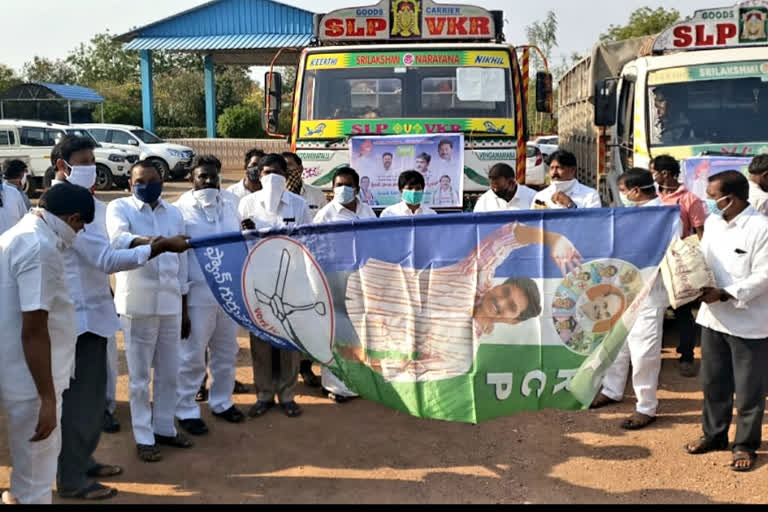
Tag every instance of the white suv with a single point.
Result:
(32, 141)
(172, 159)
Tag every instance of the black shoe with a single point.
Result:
(110, 424)
(240, 388)
(232, 415)
(194, 426)
(178, 441)
(202, 395)
(310, 379)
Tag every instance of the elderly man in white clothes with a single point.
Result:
(505, 193)
(151, 302)
(39, 333)
(734, 336)
(345, 207)
(250, 182)
(411, 185)
(274, 206)
(207, 211)
(758, 183)
(565, 190)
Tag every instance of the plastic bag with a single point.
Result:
(685, 271)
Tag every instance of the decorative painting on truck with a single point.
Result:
(490, 59)
(330, 128)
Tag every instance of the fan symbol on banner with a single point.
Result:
(282, 309)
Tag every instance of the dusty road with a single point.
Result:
(362, 452)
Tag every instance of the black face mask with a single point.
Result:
(252, 174)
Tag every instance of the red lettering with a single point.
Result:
(456, 26)
(375, 25)
(481, 25)
(435, 26)
(725, 31)
(431, 128)
(357, 129)
(456, 128)
(702, 38)
(381, 128)
(683, 37)
(334, 27)
(353, 29)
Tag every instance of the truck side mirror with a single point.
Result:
(605, 102)
(544, 92)
(273, 100)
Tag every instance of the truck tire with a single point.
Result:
(162, 166)
(103, 178)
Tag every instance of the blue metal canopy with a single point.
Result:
(46, 91)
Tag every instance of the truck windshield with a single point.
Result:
(406, 91)
(712, 104)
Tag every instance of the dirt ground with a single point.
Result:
(362, 452)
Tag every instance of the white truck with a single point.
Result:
(699, 88)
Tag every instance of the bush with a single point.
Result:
(181, 132)
(240, 122)
(118, 113)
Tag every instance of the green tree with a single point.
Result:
(241, 122)
(642, 22)
(8, 78)
(542, 34)
(41, 69)
(104, 59)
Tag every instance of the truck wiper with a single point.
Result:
(725, 153)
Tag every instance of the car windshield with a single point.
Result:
(147, 137)
(711, 104)
(77, 132)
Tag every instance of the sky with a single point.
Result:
(52, 28)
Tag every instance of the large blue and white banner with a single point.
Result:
(462, 317)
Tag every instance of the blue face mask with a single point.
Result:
(343, 194)
(148, 193)
(713, 206)
(414, 197)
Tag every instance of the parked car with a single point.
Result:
(171, 159)
(547, 145)
(536, 171)
(32, 141)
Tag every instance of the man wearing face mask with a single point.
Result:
(758, 183)
(87, 268)
(565, 190)
(505, 192)
(666, 171)
(411, 185)
(643, 345)
(345, 207)
(274, 206)
(38, 341)
(151, 302)
(207, 211)
(734, 337)
(250, 182)
(15, 175)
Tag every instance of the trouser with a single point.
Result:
(82, 413)
(152, 341)
(112, 374)
(275, 371)
(33, 464)
(733, 365)
(212, 329)
(686, 327)
(643, 349)
(335, 385)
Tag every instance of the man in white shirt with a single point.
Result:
(12, 207)
(315, 199)
(758, 183)
(250, 182)
(207, 211)
(274, 206)
(38, 341)
(505, 193)
(15, 174)
(87, 266)
(411, 185)
(346, 206)
(734, 336)
(643, 345)
(565, 190)
(151, 302)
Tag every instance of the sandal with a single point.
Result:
(601, 401)
(104, 471)
(177, 441)
(637, 421)
(260, 409)
(291, 409)
(704, 445)
(149, 453)
(93, 492)
(739, 456)
(240, 388)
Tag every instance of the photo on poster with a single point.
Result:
(380, 160)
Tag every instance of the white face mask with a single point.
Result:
(56, 182)
(564, 186)
(83, 175)
(63, 230)
(207, 198)
(273, 187)
(343, 195)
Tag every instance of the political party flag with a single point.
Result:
(465, 317)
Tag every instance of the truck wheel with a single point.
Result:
(165, 171)
(103, 178)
